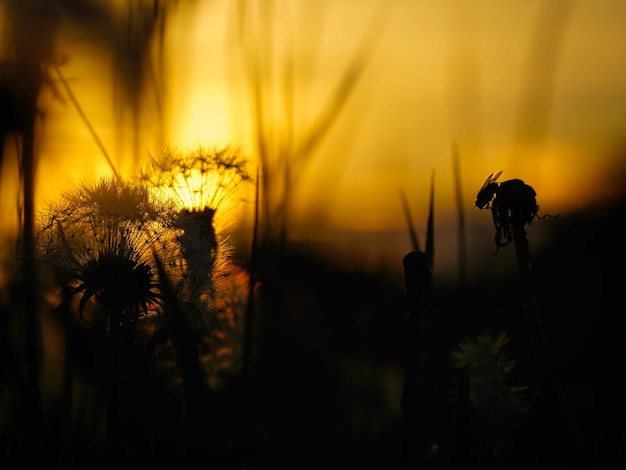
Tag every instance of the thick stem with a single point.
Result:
(30, 289)
(422, 337)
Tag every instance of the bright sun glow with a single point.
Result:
(262, 80)
(195, 191)
(198, 178)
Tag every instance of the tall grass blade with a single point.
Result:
(458, 191)
(540, 72)
(409, 221)
(254, 49)
(345, 87)
(282, 150)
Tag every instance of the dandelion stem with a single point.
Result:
(530, 301)
(537, 332)
(114, 427)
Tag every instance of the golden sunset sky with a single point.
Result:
(535, 88)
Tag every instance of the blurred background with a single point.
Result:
(359, 99)
(341, 108)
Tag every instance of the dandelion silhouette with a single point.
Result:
(513, 205)
(100, 242)
(117, 282)
(197, 178)
(100, 239)
(203, 183)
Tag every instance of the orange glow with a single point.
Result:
(432, 74)
(196, 190)
(256, 298)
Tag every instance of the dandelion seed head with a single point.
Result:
(100, 239)
(197, 179)
(117, 282)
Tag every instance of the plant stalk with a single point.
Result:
(540, 344)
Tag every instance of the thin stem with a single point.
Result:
(113, 426)
(536, 328)
(83, 116)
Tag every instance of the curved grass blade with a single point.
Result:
(83, 116)
(409, 220)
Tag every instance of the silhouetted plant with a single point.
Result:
(99, 240)
(203, 183)
(283, 146)
(197, 178)
(423, 330)
(513, 206)
(31, 49)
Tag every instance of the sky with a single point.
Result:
(534, 88)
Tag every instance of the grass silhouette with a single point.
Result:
(32, 43)
(284, 148)
(287, 359)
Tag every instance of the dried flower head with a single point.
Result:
(100, 240)
(198, 179)
(203, 182)
(513, 205)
